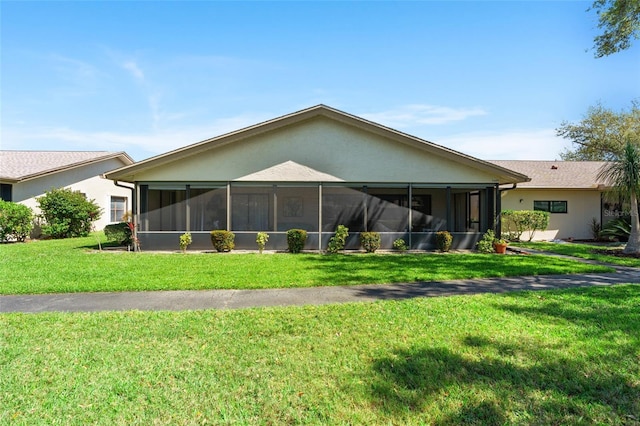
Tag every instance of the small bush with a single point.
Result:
(618, 229)
(16, 221)
(119, 233)
(517, 222)
(400, 245)
(296, 239)
(339, 240)
(185, 241)
(67, 213)
(595, 229)
(444, 240)
(370, 241)
(261, 240)
(223, 240)
(485, 245)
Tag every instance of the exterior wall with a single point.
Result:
(345, 152)
(84, 179)
(582, 206)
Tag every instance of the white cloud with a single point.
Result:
(412, 115)
(138, 145)
(134, 69)
(534, 144)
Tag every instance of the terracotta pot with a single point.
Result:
(500, 248)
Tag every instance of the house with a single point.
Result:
(569, 190)
(314, 169)
(26, 175)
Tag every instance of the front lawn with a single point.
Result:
(599, 253)
(71, 266)
(554, 357)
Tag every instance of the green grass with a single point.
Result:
(556, 357)
(69, 266)
(584, 251)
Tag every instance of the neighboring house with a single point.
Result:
(314, 169)
(569, 190)
(26, 175)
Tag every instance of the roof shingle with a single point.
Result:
(556, 174)
(21, 165)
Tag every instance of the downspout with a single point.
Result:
(134, 233)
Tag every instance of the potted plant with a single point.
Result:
(500, 245)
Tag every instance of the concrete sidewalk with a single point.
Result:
(234, 299)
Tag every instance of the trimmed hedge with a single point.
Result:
(338, 241)
(296, 239)
(370, 241)
(119, 233)
(444, 240)
(223, 240)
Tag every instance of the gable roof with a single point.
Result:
(18, 166)
(128, 173)
(557, 174)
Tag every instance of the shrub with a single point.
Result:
(223, 240)
(485, 245)
(119, 233)
(296, 239)
(67, 213)
(400, 244)
(16, 221)
(595, 229)
(370, 241)
(619, 229)
(443, 240)
(185, 240)
(261, 239)
(338, 241)
(517, 222)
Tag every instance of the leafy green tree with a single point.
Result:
(624, 177)
(67, 213)
(620, 22)
(16, 221)
(602, 133)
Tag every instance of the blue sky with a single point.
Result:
(490, 79)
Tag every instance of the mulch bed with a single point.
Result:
(616, 252)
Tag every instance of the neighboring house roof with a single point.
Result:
(128, 173)
(557, 174)
(18, 166)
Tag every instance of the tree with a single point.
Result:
(620, 22)
(624, 177)
(601, 134)
(67, 213)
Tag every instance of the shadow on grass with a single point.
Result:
(354, 269)
(489, 389)
(489, 381)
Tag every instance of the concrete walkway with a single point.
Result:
(234, 299)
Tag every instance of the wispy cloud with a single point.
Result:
(134, 69)
(416, 114)
(138, 145)
(534, 144)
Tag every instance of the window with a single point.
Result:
(118, 208)
(5, 192)
(550, 206)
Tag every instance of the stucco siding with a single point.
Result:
(346, 152)
(582, 206)
(85, 179)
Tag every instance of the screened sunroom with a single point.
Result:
(413, 212)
